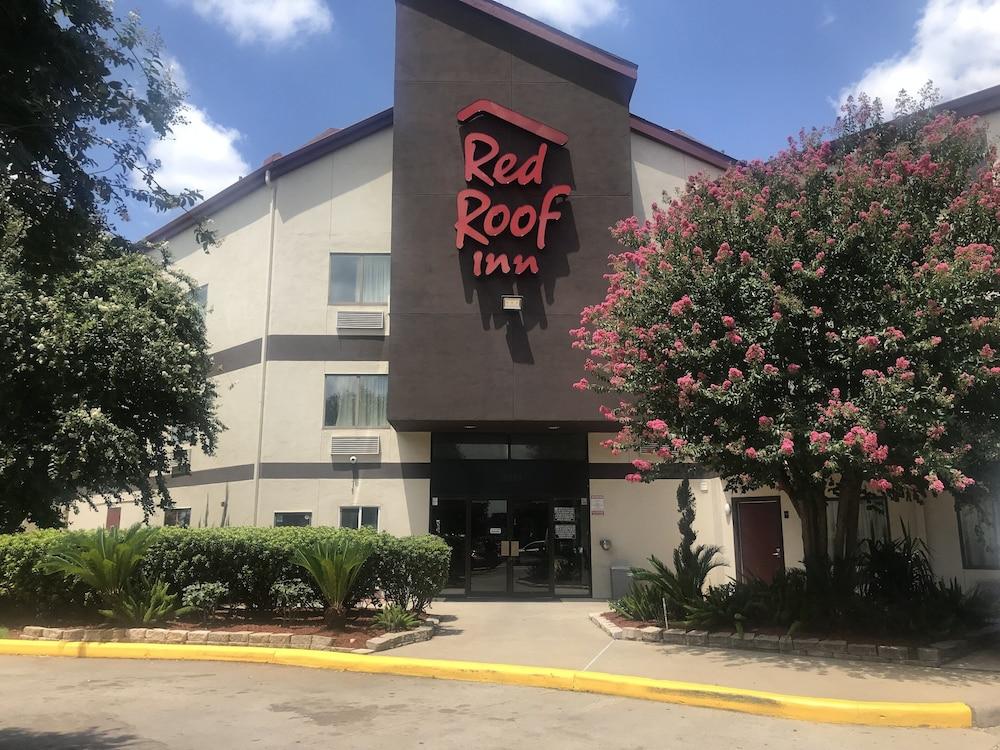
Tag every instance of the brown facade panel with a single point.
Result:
(455, 356)
(325, 348)
(236, 357)
(239, 473)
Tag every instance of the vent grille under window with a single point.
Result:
(369, 320)
(355, 446)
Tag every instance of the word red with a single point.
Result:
(481, 220)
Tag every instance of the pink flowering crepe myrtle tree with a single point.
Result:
(825, 322)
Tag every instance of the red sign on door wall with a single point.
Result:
(483, 222)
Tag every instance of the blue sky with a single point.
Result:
(265, 76)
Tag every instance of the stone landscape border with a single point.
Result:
(229, 638)
(932, 655)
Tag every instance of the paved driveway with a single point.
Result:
(559, 634)
(95, 704)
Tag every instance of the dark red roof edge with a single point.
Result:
(555, 36)
(535, 127)
(681, 142)
(976, 103)
(279, 166)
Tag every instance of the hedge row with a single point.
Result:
(408, 571)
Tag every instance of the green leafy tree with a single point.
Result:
(81, 93)
(104, 357)
(105, 378)
(825, 322)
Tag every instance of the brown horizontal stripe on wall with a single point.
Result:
(344, 470)
(667, 471)
(239, 473)
(236, 357)
(325, 348)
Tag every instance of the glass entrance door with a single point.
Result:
(530, 547)
(488, 547)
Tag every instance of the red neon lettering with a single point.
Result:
(492, 227)
(503, 171)
(463, 227)
(493, 262)
(472, 164)
(519, 227)
(522, 264)
(547, 214)
(531, 170)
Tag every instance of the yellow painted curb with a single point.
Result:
(826, 710)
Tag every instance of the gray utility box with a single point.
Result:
(621, 581)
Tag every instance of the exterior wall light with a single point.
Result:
(512, 302)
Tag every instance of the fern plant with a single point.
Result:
(395, 618)
(334, 564)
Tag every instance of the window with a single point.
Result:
(359, 279)
(873, 520)
(293, 519)
(355, 400)
(177, 517)
(355, 517)
(199, 295)
(181, 464)
(979, 533)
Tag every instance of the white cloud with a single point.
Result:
(199, 154)
(956, 45)
(569, 15)
(269, 21)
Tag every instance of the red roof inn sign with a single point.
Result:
(481, 220)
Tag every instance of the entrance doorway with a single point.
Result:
(513, 509)
(522, 548)
(760, 552)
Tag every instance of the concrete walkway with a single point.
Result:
(559, 634)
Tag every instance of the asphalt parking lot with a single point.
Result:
(60, 703)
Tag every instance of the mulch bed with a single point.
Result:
(356, 632)
(851, 636)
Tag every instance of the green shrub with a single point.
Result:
(206, 598)
(291, 596)
(25, 589)
(642, 603)
(413, 570)
(410, 571)
(394, 618)
(334, 565)
(146, 603)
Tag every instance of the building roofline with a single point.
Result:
(277, 167)
(352, 133)
(681, 142)
(976, 103)
(554, 36)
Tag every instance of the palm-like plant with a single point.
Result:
(684, 584)
(334, 564)
(108, 561)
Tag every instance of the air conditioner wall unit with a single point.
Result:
(363, 320)
(355, 445)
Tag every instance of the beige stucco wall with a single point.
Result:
(339, 203)
(234, 269)
(659, 173)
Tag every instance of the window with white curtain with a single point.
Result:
(355, 400)
(873, 520)
(359, 279)
(979, 533)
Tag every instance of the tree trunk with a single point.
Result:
(335, 618)
(845, 541)
(812, 514)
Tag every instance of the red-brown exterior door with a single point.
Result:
(114, 519)
(760, 549)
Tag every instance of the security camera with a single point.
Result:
(354, 459)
